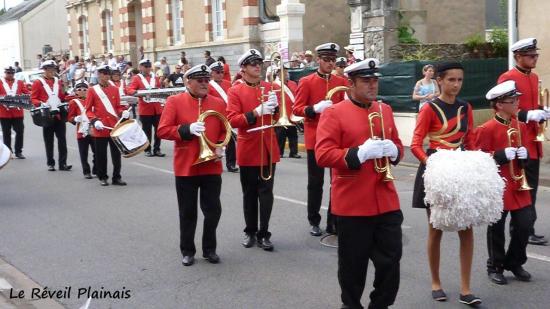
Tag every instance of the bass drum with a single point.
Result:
(42, 117)
(129, 138)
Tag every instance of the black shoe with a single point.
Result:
(249, 240)
(265, 244)
(470, 299)
(534, 235)
(295, 156)
(315, 231)
(20, 156)
(118, 182)
(498, 278)
(65, 167)
(148, 154)
(537, 241)
(521, 274)
(51, 168)
(232, 169)
(103, 182)
(88, 176)
(159, 154)
(331, 229)
(211, 257)
(439, 295)
(188, 260)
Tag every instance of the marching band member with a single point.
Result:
(288, 132)
(149, 113)
(365, 205)
(245, 112)
(340, 65)
(493, 137)
(118, 82)
(526, 56)
(448, 122)
(179, 123)
(12, 118)
(47, 91)
(218, 87)
(104, 110)
(77, 115)
(310, 103)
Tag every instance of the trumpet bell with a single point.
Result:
(541, 137)
(283, 122)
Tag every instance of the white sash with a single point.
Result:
(53, 94)
(105, 100)
(146, 83)
(219, 90)
(120, 88)
(10, 90)
(84, 125)
(287, 91)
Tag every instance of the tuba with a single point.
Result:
(380, 165)
(206, 154)
(524, 186)
(544, 101)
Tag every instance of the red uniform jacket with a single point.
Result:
(95, 110)
(356, 189)
(120, 85)
(243, 99)
(74, 111)
(292, 86)
(226, 73)
(528, 85)
(225, 85)
(439, 121)
(312, 89)
(144, 109)
(492, 137)
(39, 95)
(180, 111)
(12, 112)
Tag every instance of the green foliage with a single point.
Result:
(2, 11)
(422, 53)
(474, 42)
(499, 42)
(405, 33)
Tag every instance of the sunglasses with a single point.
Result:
(255, 63)
(81, 89)
(328, 59)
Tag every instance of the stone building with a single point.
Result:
(225, 27)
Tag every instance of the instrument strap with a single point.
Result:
(120, 87)
(85, 123)
(53, 94)
(287, 91)
(105, 100)
(146, 83)
(10, 90)
(219, 90)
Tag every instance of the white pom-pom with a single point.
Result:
(463, 189)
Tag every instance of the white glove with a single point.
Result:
(78, 118)
(547, 112)
(390, 150)
(125, 114)
(321, 106)
(267, 108)
(371, 149)
(98, 125)
(197, 128)
(522, 153)
(536, 115)
(44, 104)
(510, 153)
(220, 152)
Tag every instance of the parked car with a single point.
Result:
(28, 77)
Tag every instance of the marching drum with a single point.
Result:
(5, 155)
(129, 138)
(44, 117)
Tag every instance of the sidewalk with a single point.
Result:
(12, 280)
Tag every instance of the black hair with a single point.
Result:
(442, 68)
(222, 59)
(207, 52)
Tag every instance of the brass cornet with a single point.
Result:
(544, 101)
(284, 120)
(524, 186)
(205, 153)
(379, 166)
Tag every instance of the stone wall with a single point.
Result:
(429, 52)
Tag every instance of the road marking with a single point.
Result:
(539, 257)
(4, 284)
(153, 168)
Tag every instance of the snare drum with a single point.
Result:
(129, 138)
(5, 155)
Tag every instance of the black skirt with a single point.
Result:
(419, 190)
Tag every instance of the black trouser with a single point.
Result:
(377, 238)
(516, 255)
(148, 123)
(101, 157)
(187, 189)
(315, 181)
(58, 129)
(532, 175)
(256, 189)
(230, 152)
(84, 144)
(292, 134)
(17, 125)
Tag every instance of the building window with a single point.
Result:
(217, 19)
(84, 35)
(176, 20)
(109, 30)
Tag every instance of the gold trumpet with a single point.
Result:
(544, 101)
(379, 166)
(205, 153)
(334, 90)
(524, 186)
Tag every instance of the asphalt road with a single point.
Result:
(62, 230)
